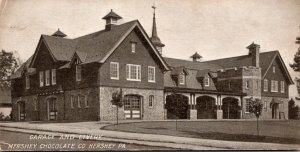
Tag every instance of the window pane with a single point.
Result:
(114, 70)
(41, 78)
(47, 77)
(53, 76)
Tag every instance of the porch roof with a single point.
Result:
(189, 90)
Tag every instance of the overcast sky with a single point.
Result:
(213, 28)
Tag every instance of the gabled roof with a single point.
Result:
(94, 47)
(179, 70)
(265, 59)
(172, 62)
(21, 69)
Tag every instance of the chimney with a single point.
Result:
(254, 52)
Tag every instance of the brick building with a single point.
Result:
(74, 79)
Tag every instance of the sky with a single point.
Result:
(213, 28)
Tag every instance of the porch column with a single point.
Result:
(219, 108)
(193, 110)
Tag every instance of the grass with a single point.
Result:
(284, 132)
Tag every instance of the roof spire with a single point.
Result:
(59, 33)
(154, 38)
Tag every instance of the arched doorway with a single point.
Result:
(21, 110)
(230, 108)
(205, 106)
(275, 111)
(177, 104)
(132, 106)
(52, 108)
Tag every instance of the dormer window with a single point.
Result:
(181, 79)
(78, 73)
(206, 81)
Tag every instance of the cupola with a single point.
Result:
(59, 33)
(111, 19)
(196, 57)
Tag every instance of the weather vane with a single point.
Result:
(154, 7)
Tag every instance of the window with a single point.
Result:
(78, 101)
(133, 44)
(27, 82)
(78, 73)
(247, 105)
(133, 72)
(274, 86)
(114, 70)
(206, 81)
(151, 100)
(274, 69)
(47, 74)
(35, 104)
(266, 85)
(72, 101)
(113, 20)
(256, 86)
(86, 102)
(247, 84)
(151, 74)
(282, 86)
(265, 105)
(53, 76)
(41, 78)
(229, 85)
(181, 79)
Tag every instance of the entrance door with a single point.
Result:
(205, 107)
(52, 111)
(132, 107)
(275, 111)
(230, 108)
(22, 113)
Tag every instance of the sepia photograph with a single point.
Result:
(149, 75)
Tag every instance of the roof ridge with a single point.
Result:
(239, 56)
(103, 30)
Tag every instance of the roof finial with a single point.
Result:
(111, 10)
(154, 7)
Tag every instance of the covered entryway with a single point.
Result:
(205, 106)
(230, 108)
(132, 106)
(21, 110)
(52, 108)
(177, 105)
(275, 111)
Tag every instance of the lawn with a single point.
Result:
(286, 132)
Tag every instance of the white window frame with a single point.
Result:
(27, 82)
(53, 76)
(274, 86)
(151, 77)
(129, 72)
(265, 105)
(247, 85)
(41, 76)
(274, 69)
(282, 86)
(206, 81)
(72, 101)
(266, 85)
(78, 101)
(78, 72)
(256, 85)
(86, 102)
(247, 106)
(133, 47)
(111, 70)
(181, 79)
(47, 77)
(151, 100)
